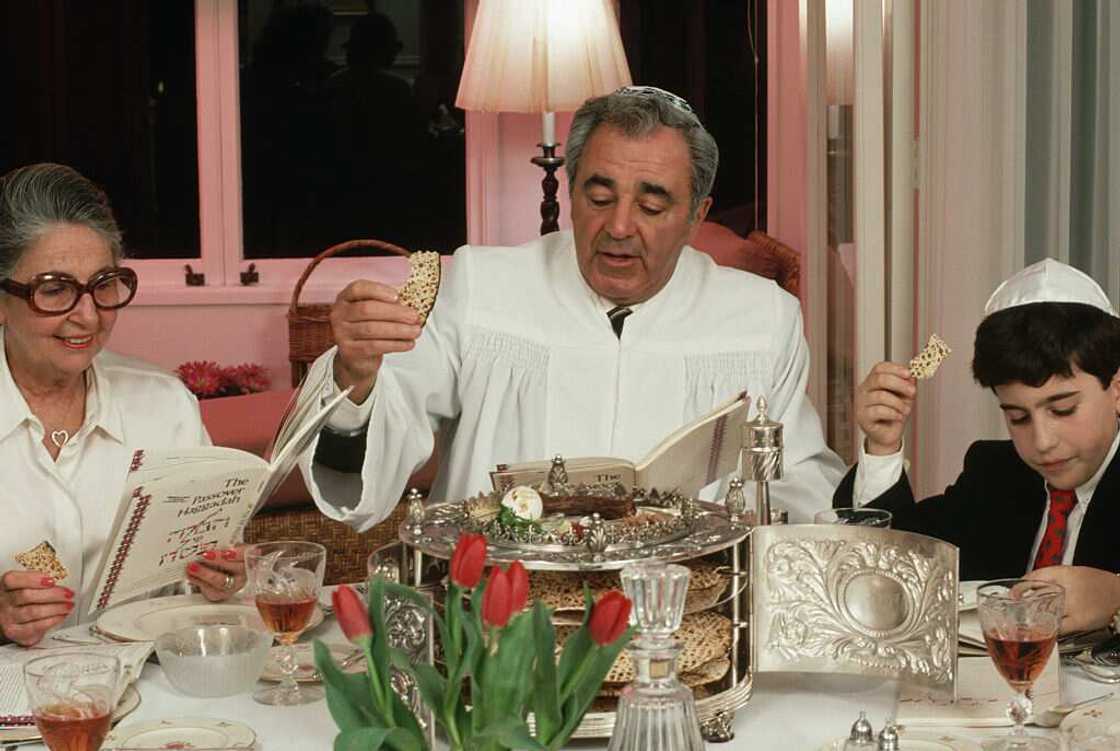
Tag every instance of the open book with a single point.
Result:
(178, 503)
(690, 458)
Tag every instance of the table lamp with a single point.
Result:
(542, 56)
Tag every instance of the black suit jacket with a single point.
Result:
(994, 510)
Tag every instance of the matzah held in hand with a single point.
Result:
(419, 291)
(42, 558)
(925, 363)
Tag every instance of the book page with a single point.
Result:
(174, 506)
(298, 429)
(699, 453)
(982, 696)
(589, 469)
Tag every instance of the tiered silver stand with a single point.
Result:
(695, 529)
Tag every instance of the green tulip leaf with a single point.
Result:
(546, 694)
(510, 732)
(348, 697)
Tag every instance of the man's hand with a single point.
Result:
(1092, 595)
(368, 322)
(31, 604)
(883, 403)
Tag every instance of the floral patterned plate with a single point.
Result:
(183, 733)
(1099, 719)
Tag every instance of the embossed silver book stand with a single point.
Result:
(860, 600)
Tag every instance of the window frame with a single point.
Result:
(163, 281)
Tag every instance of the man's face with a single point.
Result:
(630, 211)
(1064, 428)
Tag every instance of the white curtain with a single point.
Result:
(1020, 160)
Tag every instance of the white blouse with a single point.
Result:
(518, 362)
(72, 502)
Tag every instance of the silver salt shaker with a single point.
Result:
(762, 458)
(888, 737)
(862, 735)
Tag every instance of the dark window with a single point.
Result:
(348, 127)
(108, 87)
(711, 52)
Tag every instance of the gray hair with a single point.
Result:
(35, 198)
(638, 115)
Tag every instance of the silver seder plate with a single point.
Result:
(677, 528)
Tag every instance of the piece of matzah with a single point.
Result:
(419, 291)
(42, 558)
(926, 362)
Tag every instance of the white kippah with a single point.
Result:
(1048, 281)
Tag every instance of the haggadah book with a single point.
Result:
(178, 503)
(690, 458)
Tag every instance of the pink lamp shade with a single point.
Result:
(541, 56)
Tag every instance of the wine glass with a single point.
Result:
(862, 517)
(285, 578)
(1020, 619)
(72, 698)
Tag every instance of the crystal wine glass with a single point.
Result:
(285, 578)
(72, 698)
(1020, 618)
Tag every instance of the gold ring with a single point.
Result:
(228, 583)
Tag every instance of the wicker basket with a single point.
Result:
(309, 325)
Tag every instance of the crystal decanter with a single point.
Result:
(656, 712)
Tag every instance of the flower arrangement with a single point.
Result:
(207, 379)
(499, 663)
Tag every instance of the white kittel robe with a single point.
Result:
(518, 362)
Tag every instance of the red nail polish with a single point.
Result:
(210, 555)
(229, 555)
(68, 593)
(47, 581)
(193, 568)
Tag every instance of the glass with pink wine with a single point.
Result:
(72, 698)
(1020, 619)
(285, 578)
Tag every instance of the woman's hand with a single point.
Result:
(1092, 595)
(218, 574)
(31, 604)
(883, 404)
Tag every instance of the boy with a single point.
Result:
(1043, 504)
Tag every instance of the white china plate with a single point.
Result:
(145, 620)
(1098, 719)
(305, 662)
(185, 732)
(129, 701)
(920, 741)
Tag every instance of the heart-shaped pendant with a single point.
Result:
(59, 437)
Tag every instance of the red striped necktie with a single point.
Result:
(1057, 520)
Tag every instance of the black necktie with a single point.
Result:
(617, 317)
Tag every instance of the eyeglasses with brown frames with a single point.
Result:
(55, 293)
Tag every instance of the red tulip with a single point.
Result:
(497, 600)
(609, 617)
(518, 586)
(352, 615)
(468, 560)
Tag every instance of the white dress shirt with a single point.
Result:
(877, 474)
(71, 502)
(518, 362)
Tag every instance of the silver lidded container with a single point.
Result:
(762, 457)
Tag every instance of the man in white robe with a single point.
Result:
(520, 361)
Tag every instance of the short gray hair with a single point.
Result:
(637, 116)
(35, 198)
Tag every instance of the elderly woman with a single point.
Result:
(71, 413)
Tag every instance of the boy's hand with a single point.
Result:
(1092, 595)
(883, 403)
(367, 322)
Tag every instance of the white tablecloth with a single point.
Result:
(788, 712)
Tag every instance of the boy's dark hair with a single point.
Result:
(1031, 343)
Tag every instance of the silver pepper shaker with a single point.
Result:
(762, 459)
(888, 737)
(416, 511)
(735, 502)
(862, 735)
